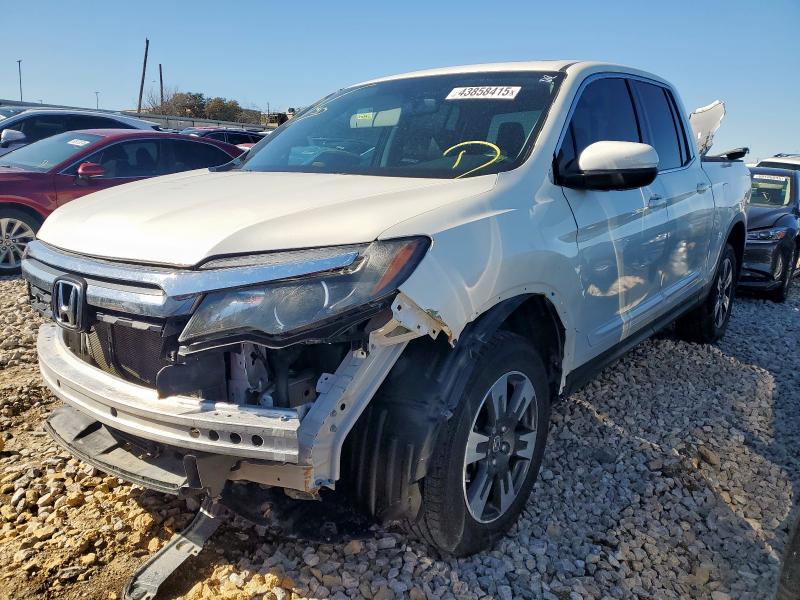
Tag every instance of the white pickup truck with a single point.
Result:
(386, 295)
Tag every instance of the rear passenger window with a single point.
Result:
(239, 138)
(604, 113)
(194, 155)
(660, 130)
(93, 122)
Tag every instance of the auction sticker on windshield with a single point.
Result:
(79, 143)
(492, 92)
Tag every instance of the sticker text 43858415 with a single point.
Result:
(490, 92)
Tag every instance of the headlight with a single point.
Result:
(767, 234)
(285, 306)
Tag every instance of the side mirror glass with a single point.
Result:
(611, 165)
(90, 170)
(11, 136)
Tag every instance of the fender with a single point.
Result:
(387, 452)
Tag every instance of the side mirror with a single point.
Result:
(90, 170)
(614, 166)
(11, 136)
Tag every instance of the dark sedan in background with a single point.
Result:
(773, 220)
(38, 178)
(237, 137)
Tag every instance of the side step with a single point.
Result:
(144, 583)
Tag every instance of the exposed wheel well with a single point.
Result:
(537, 320)
(737, 238)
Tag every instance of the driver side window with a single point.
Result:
(604, 113)
(126, 159)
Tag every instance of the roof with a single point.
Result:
(124, 134)
(94, 113)
(791, 159)
(570, 66)
(775, 171)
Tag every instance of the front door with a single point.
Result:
(123, 162)
(622, 235)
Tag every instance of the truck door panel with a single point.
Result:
(684, 189)
(621, 234)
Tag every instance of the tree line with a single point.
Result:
(197, 105)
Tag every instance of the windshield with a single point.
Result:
(770, 190)
(43, 155)
(444, 126)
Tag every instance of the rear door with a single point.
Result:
(621, 234)
(682, 187)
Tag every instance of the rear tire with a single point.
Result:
(707, 323)
(17, 228)
(487, 456)
(781, 293)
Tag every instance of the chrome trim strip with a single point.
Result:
(158, 291)
(178, 420)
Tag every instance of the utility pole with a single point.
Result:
(97, 100)
(144, 70)
(19, 69)
(161, 83)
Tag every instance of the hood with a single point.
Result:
(185, 218)
(705, 122)
(760, 217)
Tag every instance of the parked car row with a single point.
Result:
(37, 178)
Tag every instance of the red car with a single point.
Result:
(38, 178)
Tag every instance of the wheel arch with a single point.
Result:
(386, 454)
(27, 209)
(737, 238)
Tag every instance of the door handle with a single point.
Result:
(655, 201)
(702, 188)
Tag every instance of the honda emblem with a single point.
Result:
(69, 303)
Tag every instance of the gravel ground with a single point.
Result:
(672, 475)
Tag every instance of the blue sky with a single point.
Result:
(291, 53)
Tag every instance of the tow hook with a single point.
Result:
(144, 583)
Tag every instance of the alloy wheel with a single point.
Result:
(724, 293)
(14, 237)
(500, 447)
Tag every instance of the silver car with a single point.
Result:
(36, 124)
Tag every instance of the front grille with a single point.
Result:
(136, 355)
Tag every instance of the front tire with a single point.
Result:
(707, 323)
(488, 454)
(781, 293)
(17, 229)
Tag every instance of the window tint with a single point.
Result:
(604, 113)
(193, 155)
(128, 159)
(216, 135)
(239, 138)
(41, 126)
(94, 122)
(659, 126)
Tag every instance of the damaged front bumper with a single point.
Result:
(182, 444)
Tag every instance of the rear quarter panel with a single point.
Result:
(730, 185)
